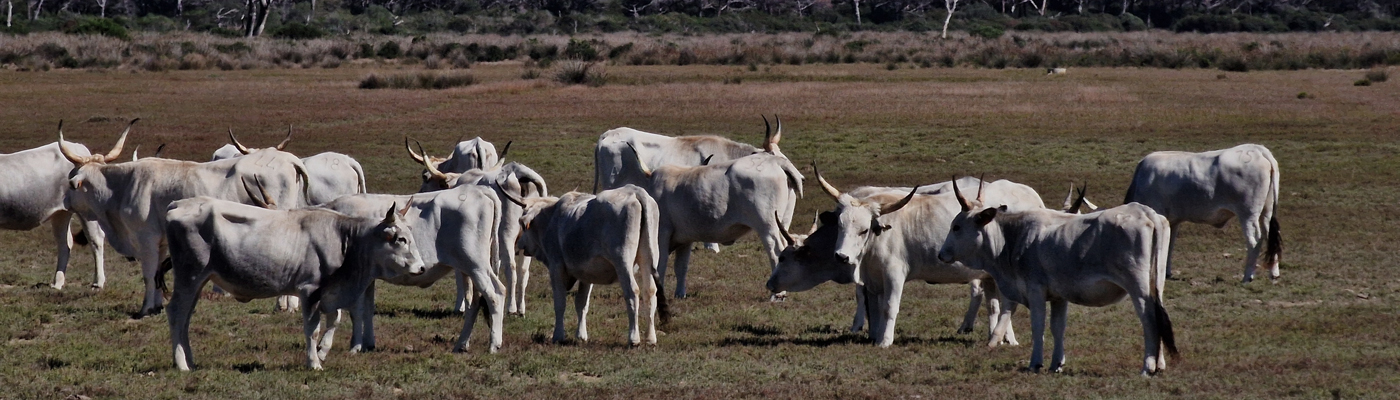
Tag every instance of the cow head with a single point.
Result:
(393, 249)
(86, 178)
(433, 179)
(858, 221)
(533, 221)
(245, 150)
(771, 137)
(810, 260)
(968, 233)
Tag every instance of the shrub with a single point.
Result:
(390, 50)
(99, 26)
(1362, 82)
(423, 80)
(575, 72)
(299, 31)
(530, 74)
(1377, 75)
(1233, 64)
(989, 31)
(580, 50)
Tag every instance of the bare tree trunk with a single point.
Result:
(857, 10)
(951, 5)
(9, 12)
(249, 17)
(262, 17)
(37, 9)
(313, 12)
(1125, 8)
(102, 7)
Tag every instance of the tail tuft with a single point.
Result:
(165, 266)
(662, 306)
(1274, 252)
(1164, 327)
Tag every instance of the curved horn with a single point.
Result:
(962, 201)
(706, 160)
(830, 190)
(767, 131)
(778, 133)
(786, 236)
(265, 201)
(76, 160)
(900, 204)
(981, 181)
(241, 148)
(159, 150)
(283, 145)
(135, 153)
(527, 175)
(501, 159)
(121, 141)
(513, 198)
(1069, 198)
(1079, 202)
(816, 223)
(431, 169)
(416, 158)
(642, 164)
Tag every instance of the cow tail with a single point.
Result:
(1161, 234)
(305, 182)
(652, 248)
(495, 243)
(794, 177)
(1274, 251)
(360, 173)
(165, 266)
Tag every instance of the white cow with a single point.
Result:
(1094, 260)
(721, 201)
(32, 184)
(455, 230)
(602, 239)
(128, 200)
(331, 174)
(884, 239)
(1212, 187)
(326, 258)
(502, 177)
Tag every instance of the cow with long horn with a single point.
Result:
(331, 174)
(502, 177)
(134, 196)
(32, 186)
(720, 202)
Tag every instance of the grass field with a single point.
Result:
(1328, 328)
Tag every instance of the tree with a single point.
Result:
(256, 17)
(951, 5)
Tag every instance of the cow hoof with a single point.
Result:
(964, 331)
(494, 349)
(97, 286)
(778, 297)
(58, 281)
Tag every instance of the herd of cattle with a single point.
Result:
(263, 223)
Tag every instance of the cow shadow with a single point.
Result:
(767, 336)
(436, 313)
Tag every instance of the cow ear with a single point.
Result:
(986, 216)
(392, 215)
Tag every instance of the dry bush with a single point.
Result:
(424, 80)
(576, 72)
(1378, 75)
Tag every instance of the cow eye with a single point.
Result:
(864, 232)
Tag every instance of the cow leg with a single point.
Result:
(362, 322)
(889, 305)
(1058, 316)
(771, 240)
(62, 237)
(1254, 242)
(149, 257)
(682, 266)
(872, 313)
(310, 325)
(522, 279)
(489, 300)
(628, 280)
(328, 337)
(975, 297)
(182, 303)
(98, 240)
(463, 286)
(1035, 300)
(648, 287)
(581, 297)
(1152, 357)
(560, 283)
(288, 303)
(1001, 329)
(858, 323)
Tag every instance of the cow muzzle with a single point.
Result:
(945, 256)
(418, 268)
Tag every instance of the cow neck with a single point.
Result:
(355, 253)
(1004, 228)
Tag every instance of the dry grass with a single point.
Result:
(1231, 52)
(1327, 328)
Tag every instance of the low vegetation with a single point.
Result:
(422, 80)
(1325, 330)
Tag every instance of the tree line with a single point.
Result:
(313, 18)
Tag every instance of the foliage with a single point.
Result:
(577, 72)
(98, 26)
(296, 30)
(424, 80)
(1377, 75)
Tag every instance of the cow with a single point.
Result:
(1212, 187)
(331, 174)
(597, 239)
(1096, 259)
(882, 240)
(31, 193)
(326, 258)
(721, 201)
(502, 177)
(612, 168)
(455, 230)
(128, 200)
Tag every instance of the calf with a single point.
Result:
(597, 239)
(325, 258)
(1094, 259)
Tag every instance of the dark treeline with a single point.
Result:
(317, 18)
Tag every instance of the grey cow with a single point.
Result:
(32, 185)
(330, 174)
(326, 258)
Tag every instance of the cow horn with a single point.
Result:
(501, 159)
(265, 201)
(900, 204)
(283, 145)
(431, 169)
(1079, 202)
(159, 150)
(786, 236)
(121, 141)
(389, 217)
(416, 158)
(830, 190)
(241, 148)
(816, 222)
(1069, 198)
(981, 181)
(135, 153)
(404, 211)
(706, 160)
(962, 201)
(640, 162)
(76, 160)
(777, 133)
(513, 198)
